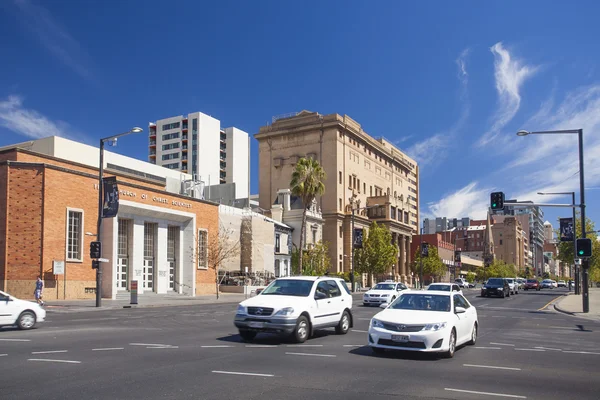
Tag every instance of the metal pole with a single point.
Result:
(577, 291)
(421, 259)
(585, 262)
(99, 227)
(352, 252)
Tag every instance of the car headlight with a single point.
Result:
(434, 327)
(241, 310)
(285, 311)
(484, 287)
(375, 323)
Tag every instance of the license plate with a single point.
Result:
(400, 338)
(256, 324)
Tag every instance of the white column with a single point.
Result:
(109, 235)
(137, 254)
(162, 267)
(188, 259)
(179, 263)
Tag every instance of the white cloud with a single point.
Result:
(54, 37)
(469, 201)
(430, 150)
(28, 122)
(510, 75)
(461, 62)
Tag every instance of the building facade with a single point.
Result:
(548, 232)
(536, 230)
(442, 224)
(196, 144)
(508, 241)
(48, 215)
(361, 171)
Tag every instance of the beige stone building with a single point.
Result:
(508, 242)
(361, 171)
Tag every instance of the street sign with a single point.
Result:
(58, 267)
(104, 260)
(566, 229)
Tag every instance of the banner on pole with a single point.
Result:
(567, 231)
(358, 238)
(110, 202)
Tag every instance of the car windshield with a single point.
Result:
(422, 302)
(384, 286)
(494, 281)
(531, 281)
(443, 288)
(509, 280)
(289, 287)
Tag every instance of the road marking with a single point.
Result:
(261, 345)
(109, 349)
(353, 345)
(243, 373)
(310, 354)
(94, 319)
(514, 396)
(149, 344)
(548, 348)
(550, 303)
(3, 355)
(15, 340)
(304, 345)
(488, 348)
(356, 330)
(539, 318)
(489, 366)
(162, 347)
(49, 352)
(581, 352)
(58, 361)
(216, 346)
(498, 316)
(530, 349)
(502, 344)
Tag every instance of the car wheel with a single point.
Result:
(451, 344)
(503, 295)
(247, 336)
(377, 350)
(26, 320)
(344, 324)
(473, 335)
(301, 331)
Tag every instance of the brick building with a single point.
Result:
(48, 213)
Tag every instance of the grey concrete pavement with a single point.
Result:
(573, 304)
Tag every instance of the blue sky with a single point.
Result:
(449, 83)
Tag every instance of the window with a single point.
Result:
(406, 217)
(501, 242)
(349, 182)
(172, 165)
(341, 232)
(334, 290)
(277, 243)
(170, 126)
(371, 194)
(170, 136)
(74, 235)
(322, 288)
(393, 213)
(170, 156)
(340, 177)
(340, 204)
(202, 249)
(364, 188)
(170, 146)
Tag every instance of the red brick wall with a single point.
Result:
(3, 193)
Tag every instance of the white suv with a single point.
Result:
(21, 313)
(383, 292)
(296, 306)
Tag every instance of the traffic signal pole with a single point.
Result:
(99, 227)
(584, 263)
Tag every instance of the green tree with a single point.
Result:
(432, 264)
(499, 269)
(315, 261)
(378, 253)
(566, 253)
(307, 183)
(470, 277)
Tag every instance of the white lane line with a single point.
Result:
(488, 348)
(547, 348)
(267, 346)
(216, 346)
(162, 347)
(489, 366)
(304, 345)
(310, 354)
(109, 349)
(581, 352)
(15, 340)
(353, 345)
(49, 352)
(530, 350)
(150, 344)
(514, 396)
(562, 327)
(539, 318)
(503, 344)
(242, 373)
(3, 355)
(356, 330)
(57, 361)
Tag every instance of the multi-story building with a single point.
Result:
(361, 171)
(536, 230)
(508, 242)
(197, 145)
(548, 232)
(441, 224)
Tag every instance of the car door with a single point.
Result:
(8, 309)
(464, 324)
(325, 308)
(337, 305)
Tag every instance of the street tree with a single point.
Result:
(221, 248)
(315, 262)
(499, 269)
(432, 264)
(378, 253)
(307, 183)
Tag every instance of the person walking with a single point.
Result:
(39, 288)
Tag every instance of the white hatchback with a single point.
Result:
(21, 313)
(426, 321)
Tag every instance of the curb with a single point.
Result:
(562, 310)
(77, 309)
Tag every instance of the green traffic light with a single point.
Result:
(580, 252)
(494, 205)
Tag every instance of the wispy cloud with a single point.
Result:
(29, 123)
(510, 74)
(471, 201)
(461, 62)
(54, 37)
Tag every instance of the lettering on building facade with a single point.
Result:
(156, 199)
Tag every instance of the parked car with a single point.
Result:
(383, 292)
(562, 284)
(521, 282)
(426, 321)
(445, 287)
(20, 313)
(296, 306)
(495, 287)
(547, 284)
(461, 282)
(513, 285)
(532, 284)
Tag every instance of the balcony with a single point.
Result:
(152, 132)
(184, 137)
(152, 152)
(152, 143)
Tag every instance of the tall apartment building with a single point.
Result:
(536, 230)
(361, 171)
(196, 144)
(441, 224)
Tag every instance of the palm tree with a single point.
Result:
(307, 183)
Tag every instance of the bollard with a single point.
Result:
(133, 292)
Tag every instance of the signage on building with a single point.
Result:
(110, 203)
(143, 196)
(358, 238)
(566, 230)
(58, 267)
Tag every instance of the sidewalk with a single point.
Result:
(572, 304)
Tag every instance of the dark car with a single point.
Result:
(532, 284)
(496, 287)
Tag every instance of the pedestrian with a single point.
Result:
(39, 288)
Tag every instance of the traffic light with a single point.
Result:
(95, 250)
(497, 201)
(95, 264)
(424, 249)
(584, 247)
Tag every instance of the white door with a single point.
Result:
(172, 275)
(148, 278)
(326, 312)
(122, 274)
(464, 325)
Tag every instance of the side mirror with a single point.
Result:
(384, 305)
(460, 310)
(320, 296)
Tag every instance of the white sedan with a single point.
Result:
(426, 321)
(21, 313)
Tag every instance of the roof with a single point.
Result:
(295, 202)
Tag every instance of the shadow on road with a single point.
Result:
(273, 339)
(365, 351)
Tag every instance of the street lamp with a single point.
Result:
(352, 242)
(574, 235)
(100, 197)
(585, 265)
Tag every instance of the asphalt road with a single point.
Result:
(195, 353)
